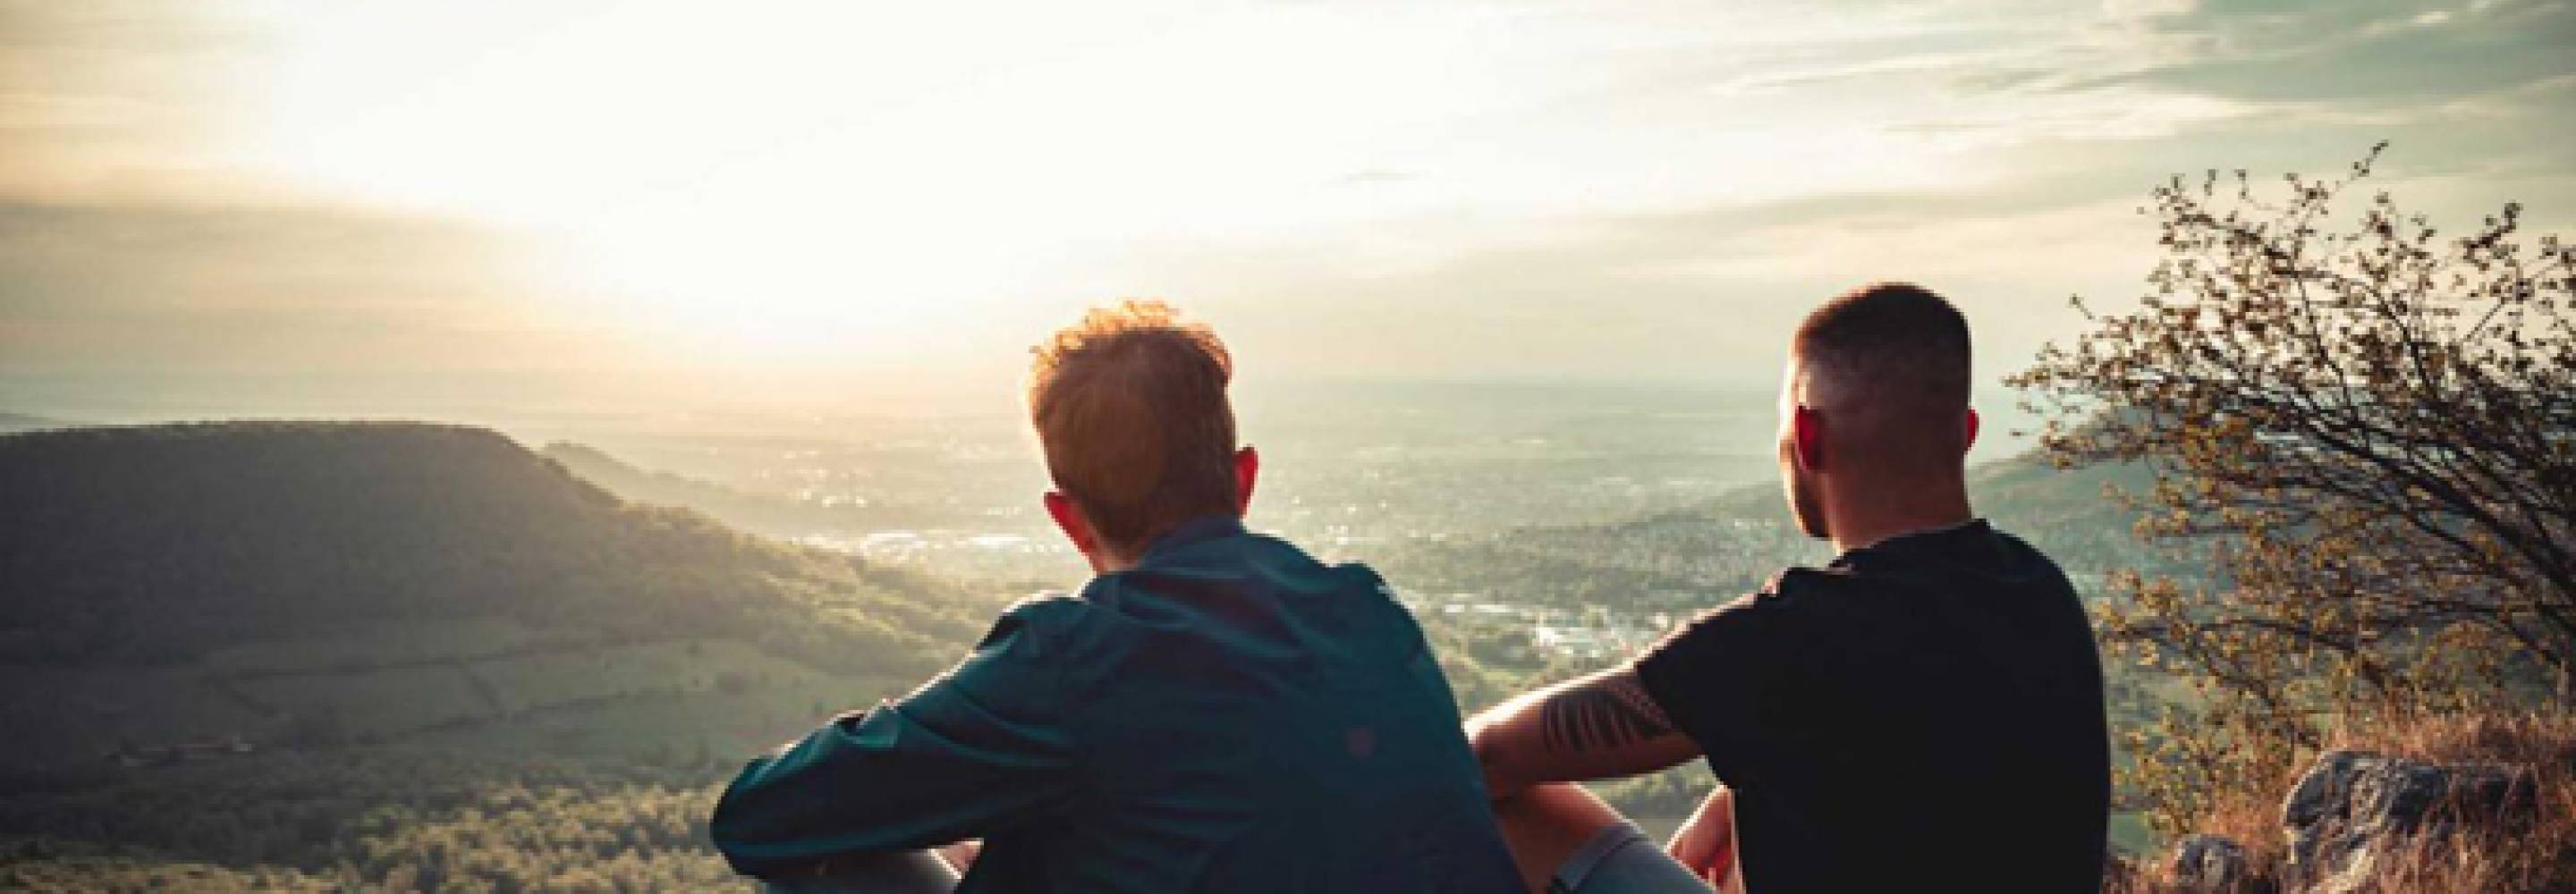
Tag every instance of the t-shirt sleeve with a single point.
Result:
(969, 753)
(1716, 676)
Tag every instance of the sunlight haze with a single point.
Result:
(289, 207)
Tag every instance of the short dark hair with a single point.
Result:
(1892, 337)
(1131, 410)
(1898, 351)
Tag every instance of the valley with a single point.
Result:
(424, 657)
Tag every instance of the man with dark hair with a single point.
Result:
(1216, 711)
(1924, 713)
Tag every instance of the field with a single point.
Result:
(375, 646)
(552, 679)
(715, 698)
(89, 712)
(376, 703)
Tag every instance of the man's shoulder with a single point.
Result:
(1794, 589)
(1788, 592)
(1045, 620)
(1794, 599)
(1359, 576)
(1047, 607)
(1796, 584)
(2022, 552)
(1280, 555)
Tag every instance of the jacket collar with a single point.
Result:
(1190, 533)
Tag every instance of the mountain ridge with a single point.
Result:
(333, 582)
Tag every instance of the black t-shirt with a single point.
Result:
(1923, 714)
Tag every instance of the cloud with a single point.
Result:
(100, 96)
(2366, 52)
(1706, 295)
(1517, 192)
(1373, 177)
(279, 288)
(1791, 76)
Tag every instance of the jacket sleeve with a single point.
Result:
(974, 751)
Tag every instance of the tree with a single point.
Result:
(2364, 443)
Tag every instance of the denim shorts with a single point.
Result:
(1620, 859)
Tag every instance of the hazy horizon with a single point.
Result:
(472, 211)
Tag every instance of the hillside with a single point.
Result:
(326, 656)
(760, 513)
(313, 583)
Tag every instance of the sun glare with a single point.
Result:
(799, 169)
(785, 180)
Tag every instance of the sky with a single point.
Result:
(449, 208)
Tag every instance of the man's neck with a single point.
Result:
(1859, 527)
(1866, 539)
(1108, 561)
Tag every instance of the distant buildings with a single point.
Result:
(1595, 635)
(1616, 640)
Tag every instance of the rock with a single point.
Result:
(2359, 874)
(2321, 791)
(2209, 864)
(2317, 806)
(2352, 807)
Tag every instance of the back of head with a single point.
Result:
(1888, 366)
(1130, 406)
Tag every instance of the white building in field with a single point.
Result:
(1616, 640)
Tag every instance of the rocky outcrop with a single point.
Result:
(2355, 811)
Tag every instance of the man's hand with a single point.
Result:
(1595, 727)
(1706, 842)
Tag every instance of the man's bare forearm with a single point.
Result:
(1612, 711)
(1595, 727)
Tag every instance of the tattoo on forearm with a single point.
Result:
(1606, 711)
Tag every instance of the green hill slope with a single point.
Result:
(302, 583)
(326, 656)
(758, 513)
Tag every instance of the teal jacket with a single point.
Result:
(1229, 715)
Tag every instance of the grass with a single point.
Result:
(374, 646)
(2130, 833)
(529, 682)
(2487, 860)
(382, 703)
(82, 713)
(724, 727)
(473, 683)
(40, 866)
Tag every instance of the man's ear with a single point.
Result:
(1068, 518)
(1971, 439)
(1247, 467)
(1807, 437)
